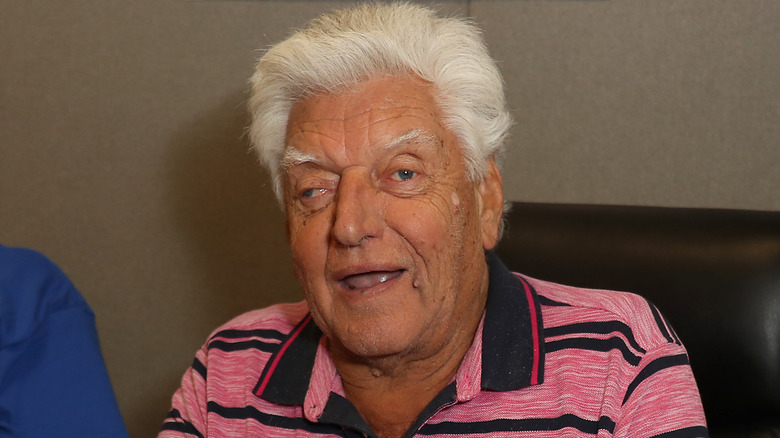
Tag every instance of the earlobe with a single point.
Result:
(492, 205)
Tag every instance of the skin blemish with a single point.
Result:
(455, 203)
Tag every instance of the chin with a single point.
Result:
(377, 342)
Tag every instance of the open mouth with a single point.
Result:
(367, 280)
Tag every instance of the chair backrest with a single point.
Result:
(715, 274)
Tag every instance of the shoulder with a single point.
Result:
(618, 347)
(234, 355)
(568, 305)
(32, 287)
(271, 322)
(24, 266)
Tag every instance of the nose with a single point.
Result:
(358, 209)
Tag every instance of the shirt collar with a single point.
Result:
(285, 378)
(511, 336)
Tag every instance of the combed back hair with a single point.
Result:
(340, 49)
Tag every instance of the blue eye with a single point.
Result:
(404, 175)
(310, 193)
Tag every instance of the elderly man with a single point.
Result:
(381, 126)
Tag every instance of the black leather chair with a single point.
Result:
(715, 274)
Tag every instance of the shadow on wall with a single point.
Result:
(232, 231)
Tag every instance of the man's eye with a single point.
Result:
(312, 193)
(403, 175)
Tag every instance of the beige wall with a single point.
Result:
(673, 103)
(122, 154)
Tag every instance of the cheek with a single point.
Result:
(308, 241)
(429, 225)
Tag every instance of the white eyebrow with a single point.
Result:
(293, 157)
(417, 135)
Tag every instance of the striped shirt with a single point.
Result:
(547, 361)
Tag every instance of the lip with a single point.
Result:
(379, 276)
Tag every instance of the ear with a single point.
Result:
(491, 195)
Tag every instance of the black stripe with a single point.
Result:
(602, 345)
(548, 302)
(520, 425)
(688, 432)
(653, 367)
(659, 321)
(244, 345)
(295, 423)
(174, 413)
(199, 368)
(187, 428)
(259, 333)
(601, 328)
(179, 424)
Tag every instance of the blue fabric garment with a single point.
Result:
(53, 381)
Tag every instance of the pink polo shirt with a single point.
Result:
(547, 360)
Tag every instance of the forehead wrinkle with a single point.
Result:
(388, 110)
(382, 113)
(293, 156)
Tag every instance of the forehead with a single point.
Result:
(374, 113)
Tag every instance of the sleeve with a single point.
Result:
(188, 415)
(51, 366)
(661, 398)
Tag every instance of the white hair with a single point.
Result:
(342, 48)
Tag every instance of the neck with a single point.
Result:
(391, 392)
